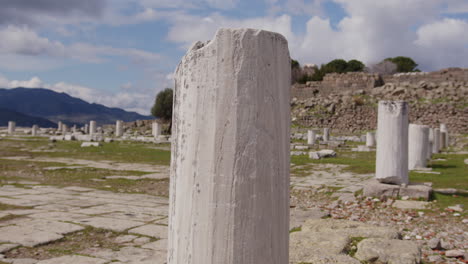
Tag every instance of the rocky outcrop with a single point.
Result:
(349, 111)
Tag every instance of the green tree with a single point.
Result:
(355, 66)
(295, 64)
(162, 107)
(338, 65)
(404, 64)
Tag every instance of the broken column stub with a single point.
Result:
(370, 139)
(119, 128)
(418, 139)
(11, 127)
(326, 134)
(92, 127)
(229, 187)
(156, 129)
(311, 137)
(436, 141)
(392, 142)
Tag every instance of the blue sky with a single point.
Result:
(122, 52)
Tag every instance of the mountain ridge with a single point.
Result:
(54, 106)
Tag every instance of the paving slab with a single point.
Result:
(118, 225)
(27, 236)
(7, 247)
(151, 230)
(73, 259)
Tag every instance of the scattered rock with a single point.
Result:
(378, 250)
(454, 253)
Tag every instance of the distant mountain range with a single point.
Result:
(35, 104)
(22, 119)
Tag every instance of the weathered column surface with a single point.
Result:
(86, 129)
(11, 127)
(370, 139)
(436, 141)
(229, 188)
(418, 140)
(119, 128)
(64, 128)
(34, 130)
(430, 143)
(59, 126)
(444, 136)
(326, 134)
(311, 137)
(92, 127)
(156, 129)
(392, 142)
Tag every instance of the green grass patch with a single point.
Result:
(358, 162)
(351, 248)
(296, 229)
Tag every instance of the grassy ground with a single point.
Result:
(124, 151)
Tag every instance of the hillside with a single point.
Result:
(22, 119)
(61, 107)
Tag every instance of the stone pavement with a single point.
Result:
(56, 212)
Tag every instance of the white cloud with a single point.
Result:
(371, 31)
(128, 100)
(26, 42)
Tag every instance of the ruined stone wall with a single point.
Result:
(437, 77)
(354, 81)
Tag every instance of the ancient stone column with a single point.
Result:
(418, 140)
(370, 139)
(326, 134)
(11, 127)
(64, 128)
(436, 141)
(92, 127)
(86, 129)
(444, 134)
(430, 143)
(59, 126)
(229, 187)
(156, 129)
(311, 137)
(119, 128)
(392, 142)
(74, 130)
(34, 130)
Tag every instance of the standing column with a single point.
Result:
(156, 129)
(392, 142)
(418, 139)
(34, 130)
(11, 127)
(86, 129)
(229, 187)
(326, 134)
(64, 129)
(92, 127)
(436, 141)
(119, 128)
(59, 126)
(444, 136)
(370, 139)
(430, 143)
(311, 137)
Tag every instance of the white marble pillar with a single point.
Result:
(34, 130)
(326, 134)
(59, 126)
(156, 129)
(64, 129)
(11, 127)
(418, 140)
(86, 129)
(436, 141)
(74, 130)
(392, 142)
(311, 134)
(229, 187)
(445, 134)
(92, 127)
(370, 139)
(119, 128)
(430, 143)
